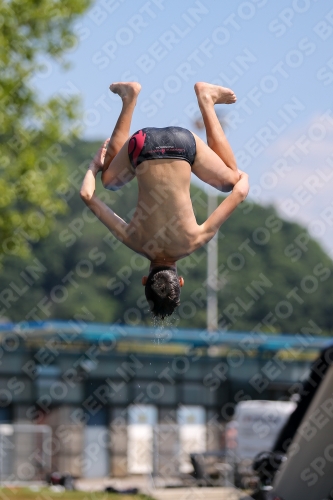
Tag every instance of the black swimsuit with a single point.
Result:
(159, 143)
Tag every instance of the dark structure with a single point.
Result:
(80, 378)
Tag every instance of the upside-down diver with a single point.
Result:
(164, 228)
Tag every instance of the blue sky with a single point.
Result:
(276, 56)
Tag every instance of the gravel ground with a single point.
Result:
(146, 486)
(198, 494)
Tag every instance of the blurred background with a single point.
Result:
(82, 361)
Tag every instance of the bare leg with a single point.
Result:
(128, 91)
(208, 95)
(223, 174)
(117, 170)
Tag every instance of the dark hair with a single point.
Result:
(163, 291)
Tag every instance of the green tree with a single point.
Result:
(272, 276)
(32, 170)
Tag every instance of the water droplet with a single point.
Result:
(163, 328)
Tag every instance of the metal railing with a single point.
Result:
(25, 452)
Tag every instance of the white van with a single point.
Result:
(254, 428)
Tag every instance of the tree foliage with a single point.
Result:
(31, 164)
(272, 276)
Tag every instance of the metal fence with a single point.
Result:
(25, 452)
(167, 451)
(188, 457)
(190, 454)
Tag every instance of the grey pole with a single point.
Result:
(212, 260)
(212, 265)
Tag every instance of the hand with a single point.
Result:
(98, 160)
(242, 186)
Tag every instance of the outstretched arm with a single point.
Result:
(225, 209)
(112, 221)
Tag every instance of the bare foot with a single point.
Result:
(128, 91)
(99, 157)
(206, 92)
